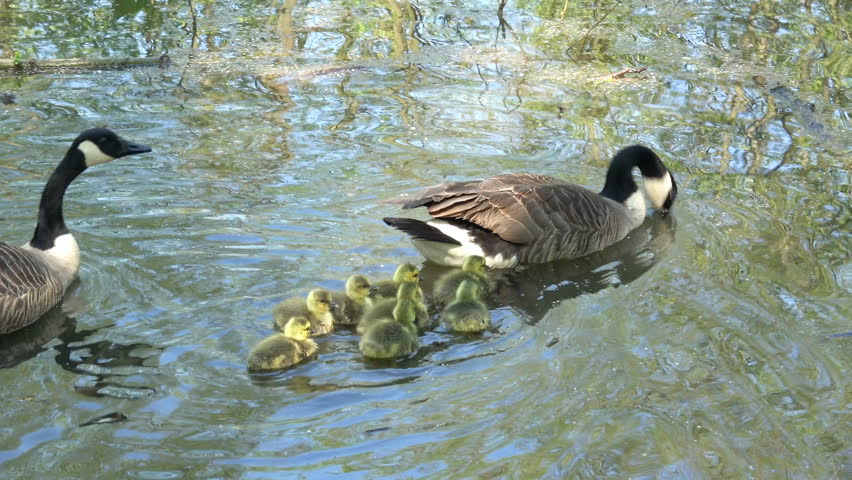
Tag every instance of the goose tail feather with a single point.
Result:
(420, 230)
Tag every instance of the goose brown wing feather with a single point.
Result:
(520, 207)
(28, 288)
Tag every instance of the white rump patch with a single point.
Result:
(658, 189)
(454, 255)
(63, 257)
(92, 154)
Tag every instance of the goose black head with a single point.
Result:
(659, 182)
(101, 145)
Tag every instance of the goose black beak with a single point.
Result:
(134, 148)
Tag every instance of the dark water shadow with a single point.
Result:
(532, 290)
(21, 345)
(102, 363)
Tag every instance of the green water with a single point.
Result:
(698, 348)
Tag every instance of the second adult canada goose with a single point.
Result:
(34, 277)
(525, 218)
(316, 308)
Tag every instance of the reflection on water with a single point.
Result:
(532, 290)
(278, 130)
(108, 368)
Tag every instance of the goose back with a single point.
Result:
(28, 287)
(553, 218)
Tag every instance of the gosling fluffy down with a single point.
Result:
(350, 305)
(316, 308)
(392, 337)
(408, 292)
(473, 269)
(283, 350)
(466, 313)
(406, 272)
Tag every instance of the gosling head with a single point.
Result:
(100, 145)
(319, 301)
(467, 290)
(298, 328)
(406, 273)
(474, 264)
(358, 287)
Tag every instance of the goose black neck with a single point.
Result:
(51, 224)
(619, 178)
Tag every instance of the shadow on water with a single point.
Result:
(103, 363)
(534, 289)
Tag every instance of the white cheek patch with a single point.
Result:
(92, 154)
(658, 189)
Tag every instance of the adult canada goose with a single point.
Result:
(406, 272)
(408, 293)
(316, 308)
(33, 277)
(391, 337)
(473, 269)
(282, 350)
(466, 313)
(351, 303)
(525, 218)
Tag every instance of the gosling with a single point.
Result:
(388, 288)
(353, 302)
(316, 308)
(283, 350)
(393, 337)
(466, 313)
(472, 269)
(408, 292)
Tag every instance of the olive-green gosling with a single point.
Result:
(408, 292)
(472, 269)
(466, 313)
(283, 350)
(353, 302)
(316, 308)
(393, 337)
(406, 272)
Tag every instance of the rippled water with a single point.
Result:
(699, 347)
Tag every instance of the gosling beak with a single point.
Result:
(374, 289)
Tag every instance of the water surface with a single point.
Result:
(699, 347)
